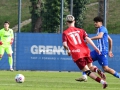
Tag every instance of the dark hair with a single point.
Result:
(98, 19)
(7, 22)
(69, 21)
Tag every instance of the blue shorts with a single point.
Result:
(102, 59)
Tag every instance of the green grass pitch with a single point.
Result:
(43, 80)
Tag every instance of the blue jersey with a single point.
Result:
(103, 42)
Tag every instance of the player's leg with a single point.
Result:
(2, 50)
(103, 61)
(96, 78)
(82, 64)
(10, 59)
(82, 78)
(94, 69)
(111, 71)
(97, 70)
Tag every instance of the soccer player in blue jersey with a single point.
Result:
(102, 38)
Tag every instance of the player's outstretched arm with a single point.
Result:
(92, 44)
(100, 35)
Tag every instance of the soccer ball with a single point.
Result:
(19, 78)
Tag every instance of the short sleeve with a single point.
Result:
(102, 29)
(84, 34)
(64, 39)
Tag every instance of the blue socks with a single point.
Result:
(83, 73)
(116, 74)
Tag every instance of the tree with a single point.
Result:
(79, 9)
(46, 16)
(36, 10)
(52, 16)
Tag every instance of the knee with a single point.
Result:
(9, 55)
(105, 69)
(0, 56)
(92, 68)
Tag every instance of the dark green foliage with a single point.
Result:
(36, 10)
(26, 28)
(50, 13)
(79, 11)
(51, 16)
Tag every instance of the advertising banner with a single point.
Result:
(42, 52)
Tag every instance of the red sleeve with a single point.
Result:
(64, 39)
(84, 34)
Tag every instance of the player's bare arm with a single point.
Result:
(92, 44)
(110, 46)
(99, 36)
(66, 48)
